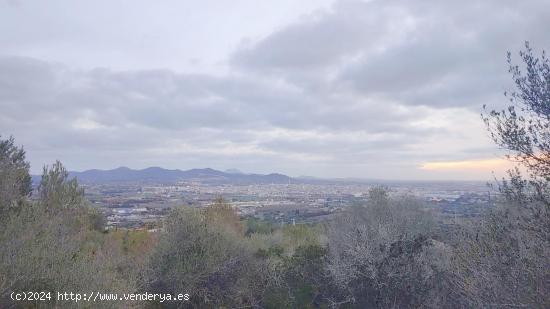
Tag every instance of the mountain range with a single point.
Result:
(161, 175)
(230, 176)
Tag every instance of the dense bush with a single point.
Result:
(54, 245)
(382, 254)
(503, 262)
(200, 254)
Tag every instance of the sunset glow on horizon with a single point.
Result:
(496, 164)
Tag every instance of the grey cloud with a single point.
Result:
(167, 100)
(59, 110)
(341, 145)
(433, 53)
(365, 87)
(320, 39)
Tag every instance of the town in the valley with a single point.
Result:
(142, 205)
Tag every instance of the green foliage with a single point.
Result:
(58, 192)
(213, 265)
(256, 226)
(48, 246)
(133, 242)
(301, 235)
(46, 252)
(273, 251)
(298, 280)
(15, 180)
(221, 214)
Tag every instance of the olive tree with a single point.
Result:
(523, 128)
(382, 254)
(505, 262)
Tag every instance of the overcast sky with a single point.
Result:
(372, 89)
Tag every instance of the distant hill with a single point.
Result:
(233, 176)
(233, 171)
(161, 175)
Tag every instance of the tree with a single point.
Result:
(52, 245)
(382, 255)
(57, 191)
(15, 180)
(523, 128)
(505, 262)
